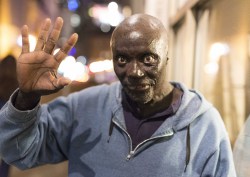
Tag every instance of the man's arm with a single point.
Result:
(37, 136)
(23, 122)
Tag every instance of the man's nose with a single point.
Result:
(135, 70)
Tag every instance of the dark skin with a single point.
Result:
(139, 47)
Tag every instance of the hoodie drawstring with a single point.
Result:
(111, 126)
(188, 149)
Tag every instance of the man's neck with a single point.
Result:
(157, 104)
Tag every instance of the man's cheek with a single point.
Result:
(153, 73)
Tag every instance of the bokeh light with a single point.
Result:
(72, 52)
(217, 50)
(100, 66)
(105, 27)
(211, 68)
(75, 71)
(106, 14)
(8, 37)
(82, 59)
(75, 20)
(73, 5)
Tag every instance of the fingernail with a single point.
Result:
(59, 19)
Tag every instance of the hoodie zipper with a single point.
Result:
(131, 151)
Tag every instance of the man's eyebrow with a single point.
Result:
(120, 52)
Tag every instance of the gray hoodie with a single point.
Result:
(88, 129)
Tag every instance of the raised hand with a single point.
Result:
(37, 70)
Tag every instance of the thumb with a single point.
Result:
(62, 82)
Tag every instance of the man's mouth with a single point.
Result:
(139, 87)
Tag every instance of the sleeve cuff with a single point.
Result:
(18, 116)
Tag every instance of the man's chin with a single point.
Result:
(139, 98)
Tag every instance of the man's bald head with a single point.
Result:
(140, 25)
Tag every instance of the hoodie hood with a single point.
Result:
(193, 105)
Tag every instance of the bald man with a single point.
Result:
(140, 126)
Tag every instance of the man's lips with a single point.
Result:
(138, 87)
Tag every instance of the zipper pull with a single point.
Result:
(130, 155)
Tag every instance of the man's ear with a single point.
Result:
(167, 60)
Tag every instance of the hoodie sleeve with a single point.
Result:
(35, 137)
(220, 163)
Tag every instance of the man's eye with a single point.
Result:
(121, 60)
(149, 59)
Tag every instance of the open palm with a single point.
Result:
(37, 70)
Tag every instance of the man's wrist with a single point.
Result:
(25, 101)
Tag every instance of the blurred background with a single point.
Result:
(209, 48)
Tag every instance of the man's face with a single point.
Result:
(140, 60)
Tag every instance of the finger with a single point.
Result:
(61, 82)
(54, 35)
(25, 39)
(43, 34)
(62, 53)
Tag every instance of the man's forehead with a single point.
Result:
(136, 32)
(134, 39)
(136, 46)
(136, 36)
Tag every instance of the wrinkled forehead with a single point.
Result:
(135, 35)
(136, 43)
(134, 38)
